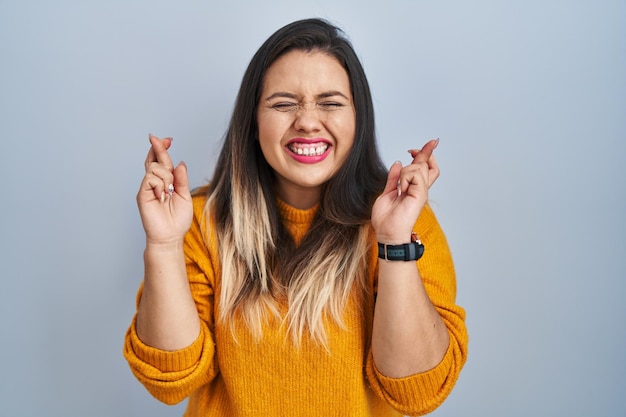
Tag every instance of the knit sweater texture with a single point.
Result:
(242, 377)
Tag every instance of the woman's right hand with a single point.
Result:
(164, 198)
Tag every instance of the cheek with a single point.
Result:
(266, 134)
(271, 127)
(270, 136)
(268, 147)
(344, 129)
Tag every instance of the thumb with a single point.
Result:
(392, 177)
(181, 180)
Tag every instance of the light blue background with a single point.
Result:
(528, 98)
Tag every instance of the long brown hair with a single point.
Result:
(260, 261)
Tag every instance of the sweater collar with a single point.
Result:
(295, 216)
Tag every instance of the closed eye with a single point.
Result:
(330, 105)
(285, 106)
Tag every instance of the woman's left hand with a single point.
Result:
(396, 210)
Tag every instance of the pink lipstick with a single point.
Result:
(308, 151)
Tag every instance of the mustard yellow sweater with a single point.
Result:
(228, 378)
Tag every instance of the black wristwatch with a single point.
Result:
(406, 252)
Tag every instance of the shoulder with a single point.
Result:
(428, 228)
(201, 192)
(200, 236)
(427, 219)
(199, 196)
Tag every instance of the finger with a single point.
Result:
(158, 152)
(161, 179)
(412, 176)
(427, 173)
(153, 185)
(162, 173)
(422, 155)
(151, 157)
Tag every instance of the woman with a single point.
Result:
(266, 292)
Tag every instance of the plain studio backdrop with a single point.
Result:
(528, 98)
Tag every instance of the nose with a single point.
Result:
(307, 119)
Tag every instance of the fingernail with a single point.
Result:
(397, 162)
(399, 189)
(170, 189)
(162, 196)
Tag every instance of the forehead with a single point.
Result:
(306, 72)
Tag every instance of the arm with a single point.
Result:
(408, 336)
(167, 318)
(169, 345)
(419, 339)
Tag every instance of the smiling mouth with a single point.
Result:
(316, 149)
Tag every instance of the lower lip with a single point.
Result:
(308, 159)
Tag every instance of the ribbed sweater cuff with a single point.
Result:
(418, 388)
(168, 361)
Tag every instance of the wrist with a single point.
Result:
(158, 246)
(393, 237)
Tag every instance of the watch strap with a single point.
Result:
(405, 252)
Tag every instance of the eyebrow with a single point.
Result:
(326, 94)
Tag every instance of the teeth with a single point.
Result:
(309, 151)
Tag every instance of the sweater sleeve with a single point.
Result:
(171, 376)
(421, 393)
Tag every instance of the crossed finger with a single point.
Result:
(424, 154)
(159, 167)
(413, 174)
(158, 152)
(423, 167)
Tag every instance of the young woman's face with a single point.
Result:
(306, 122)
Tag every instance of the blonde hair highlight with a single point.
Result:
(254, 280)
(262, 269)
